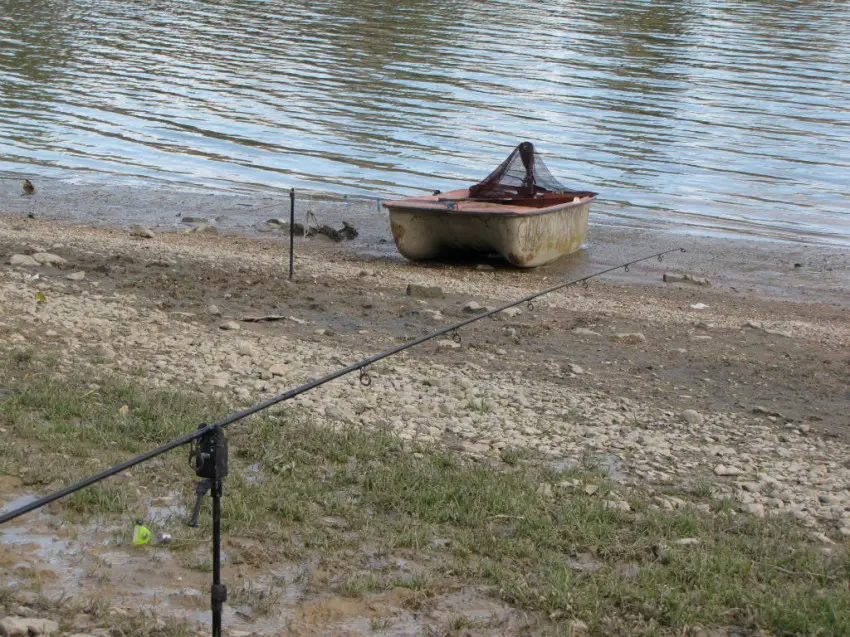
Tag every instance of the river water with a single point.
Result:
(708, 115)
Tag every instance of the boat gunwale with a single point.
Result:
(416, 205)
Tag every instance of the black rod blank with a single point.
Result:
(313, 384)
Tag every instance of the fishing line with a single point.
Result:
(207, 429)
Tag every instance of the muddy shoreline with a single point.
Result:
(775, 268)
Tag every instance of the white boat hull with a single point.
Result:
(526, 239)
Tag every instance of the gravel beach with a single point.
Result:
(740, 385)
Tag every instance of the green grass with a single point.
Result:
(66, 610)
(479, 406)
(262, 600)
(336, 497)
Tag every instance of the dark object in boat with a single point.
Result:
(523, 175)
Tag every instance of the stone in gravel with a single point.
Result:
(76, 276)
(577, 627)
(510, 312)
(664, 503)
(485, 267)
(584, 562)
(685, 278)
(23, 260)
(761, 411)
(29, 598)
(590, 489)
(687, 541)
(727, 470)
(829, 498)
(474, 308)
(631, 338)
(217, 382)
(424, 291)
(822, 538)
(545, 490)
(447, 344)
(617, 505)
(195, 220)
(229, 325)
(583, 331)
(23, 626)
(844, 531)
(691, 416)
(334, 412)
(140, 231)
(277, 370)
(205, 227)
(213, 309)
(246, 349)
(753, 508)
(14, 627)
(578, 370)
(435, 316)
(46, 258)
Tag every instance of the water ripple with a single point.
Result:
(704, 114)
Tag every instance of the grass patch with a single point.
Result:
(22, 356)
(325, 495)
(98, 500)
(479, 406)
(262, 600)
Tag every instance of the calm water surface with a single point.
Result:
(709, 114)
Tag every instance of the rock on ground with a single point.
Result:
(727, 470)
(510, 312)
(46, 258)
(140, 231)
(424, 291)
(692, 417)
(23, 260)
(631, 338)
(25, 626)
(753, 508)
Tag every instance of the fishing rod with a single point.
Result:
(313, 384)
(209, 452)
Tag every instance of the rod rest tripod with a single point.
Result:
(208, 457)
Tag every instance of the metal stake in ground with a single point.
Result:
(291, 231)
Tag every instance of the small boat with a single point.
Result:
(520, 211)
